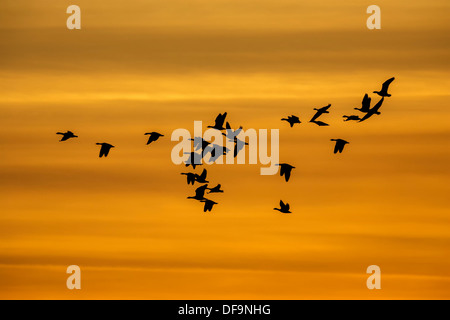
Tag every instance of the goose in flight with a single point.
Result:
(284, 208)
(199, 193)
(320, 111)
(339, 146)
(104, 150)
(66, 135)
(153, 136)
(238, 144)
(292, 120)
(216, 151)
(190, 177)
(285, 169)
(384, 88)
(320, 123)
(220, 119)
(230, 132)
(216, 189)
(208, 204)
(200, 143)
(202, 177)
(365, 104)
(373, 110)
(193, 160)
(348, 118)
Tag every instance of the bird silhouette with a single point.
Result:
(202, 177)
(285, 169)
(216, 189)
(373, 110)
(193, 160)
(292, 120)
(199, 193)
(66, 135)
(232, 133)
(208, 204)
(320, 111)
(320, 123)
(216, 151)
(352, 117)
(104, 150)
(190, 177)
(384, 88)
(238, 144)
(200, 143)
(284, 208)
(339, 146)
(365, 104)
(153, 136)
(220, 119)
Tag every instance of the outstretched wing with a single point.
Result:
(282, 170)
(282, 205)
(366, 116)
(287, 174)
(106, 150)
(220, 119)
(340, 145)
(200, 191)
(336, 147)
(377, 105)
(321, 123)
(203, 175)
(366, 103)
(102, 151)
(386, 84)
(318, 113)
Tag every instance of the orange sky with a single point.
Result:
(138, 66)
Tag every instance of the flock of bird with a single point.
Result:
(215, 151)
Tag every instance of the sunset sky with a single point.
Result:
(138, 66)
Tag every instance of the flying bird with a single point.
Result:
(238, 144)
(352, 117)
(66, 135)
(153, 136)
(320, 123)
(104, 150)
(373, 110)
(292, 120)
(365, 104)
(384, 88)
(193, 160)
(190, 177)
(199, 193)
(216, 189)
(339, 146)
(200, 143)
(216, 151)
(320, 111)
(230, 132)
(208, 204)
(202, 177)
(284, 208)
(285, 169)
(220, 119)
